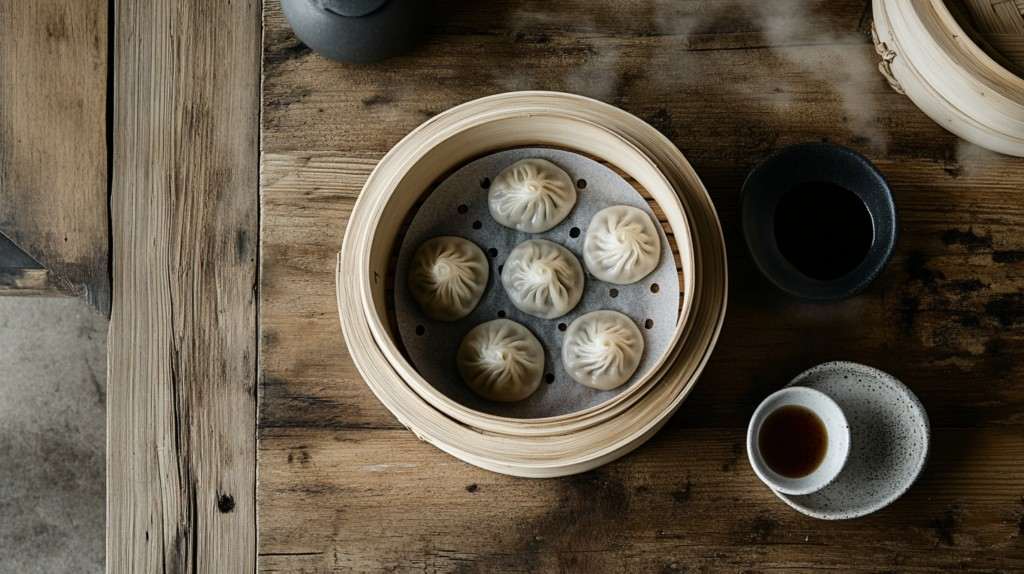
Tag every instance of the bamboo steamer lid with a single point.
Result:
(928, 55)
(530, 447)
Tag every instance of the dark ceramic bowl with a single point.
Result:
(816, 162)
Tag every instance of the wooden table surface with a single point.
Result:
(341, 486)
(53, 149)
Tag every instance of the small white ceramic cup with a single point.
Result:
(838, 440)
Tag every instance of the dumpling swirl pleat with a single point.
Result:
(602, 349)
(543, 278)
(531, 195)
(447, 277)
(501, 360)
(622, 245)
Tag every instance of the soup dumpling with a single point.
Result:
(602, 349)
(531, 195)
(501, 360)
(543, 278)
(447, 277)
(622, 245)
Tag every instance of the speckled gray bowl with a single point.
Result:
(889, 436)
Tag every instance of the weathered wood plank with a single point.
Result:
(686, 502)
(792, 71)
(53, 146)
(181, 403)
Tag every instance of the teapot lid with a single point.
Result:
(351, 8)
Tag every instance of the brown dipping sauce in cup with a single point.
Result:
(793, 441)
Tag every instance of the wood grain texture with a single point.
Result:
(182, 358)
(378, 501)
(53, 148)
(343, 487)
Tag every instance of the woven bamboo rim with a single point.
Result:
(540, 447)
(928, 55)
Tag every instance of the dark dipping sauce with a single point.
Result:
(822, 229)
(793, 441)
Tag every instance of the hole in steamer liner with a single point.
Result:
(574, 232)
(562, 326)
(477, 225)
(613, 292)
(501, 314)
(655, 288)
(485, 183)
(648, 323)
(420, 330)
(492, 252)
(462, 208)
(581, 183)
(549, 378)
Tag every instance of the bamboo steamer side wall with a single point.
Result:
(928, 56)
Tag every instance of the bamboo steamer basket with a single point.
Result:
(927, 55)
(551, 446)
(559, 130)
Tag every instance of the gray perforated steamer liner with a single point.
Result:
(553, 446)
(459, 206)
